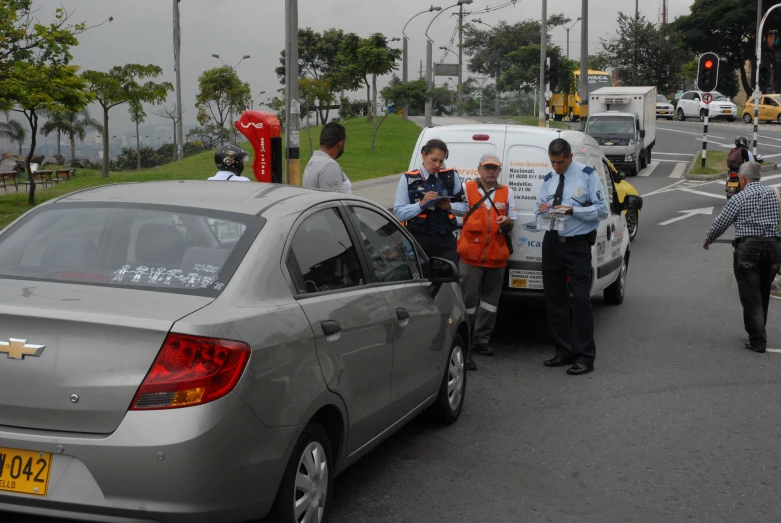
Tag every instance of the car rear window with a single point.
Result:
(160, 248)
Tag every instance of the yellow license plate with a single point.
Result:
(518, 283)
(662, 112)
(733, 184)
(727, 111)
(24, 472)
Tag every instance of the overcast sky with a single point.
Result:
(142, 33)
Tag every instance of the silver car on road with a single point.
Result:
(213, 352)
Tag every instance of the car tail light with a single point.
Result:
(190, 370)
(480, 137)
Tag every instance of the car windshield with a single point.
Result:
(160, 248)
(610, 125)
(662, 99)
(718, 97)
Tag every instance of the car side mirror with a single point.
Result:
(633, 203)
(443, 271)
(642, 133)
(621, 176)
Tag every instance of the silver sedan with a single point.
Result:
(205, 351)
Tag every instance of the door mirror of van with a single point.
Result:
(633, 203)
(443, 271)
(621, 176)
(642, 133)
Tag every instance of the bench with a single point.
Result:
(43, 178)
(61, 175)
(8, 178)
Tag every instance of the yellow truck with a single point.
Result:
(563, 105)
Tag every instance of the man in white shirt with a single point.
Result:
(230, 160)
(322, 171)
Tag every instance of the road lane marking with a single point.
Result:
(764, 179)
(648, 170)
(673, 154)
(663, 189)
(688, 214)
(702, 193)
(678, 170)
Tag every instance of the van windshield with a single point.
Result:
(610, 125)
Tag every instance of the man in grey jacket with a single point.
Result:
(322, 171)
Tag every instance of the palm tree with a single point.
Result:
(72, 124)
(14, 131)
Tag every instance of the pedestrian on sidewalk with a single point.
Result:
(574, 190)
(322, 171)
(485, 246)
(428, 200)
(755, 213)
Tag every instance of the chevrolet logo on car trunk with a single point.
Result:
(18, 349)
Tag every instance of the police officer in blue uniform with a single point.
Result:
(576, 191)
(428, 200)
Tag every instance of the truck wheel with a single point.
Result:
(648, 156)
(557, 117)
(614, 294)
(681, 115)
(572, 117)
(643, 160)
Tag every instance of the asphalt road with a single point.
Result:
(677, 423)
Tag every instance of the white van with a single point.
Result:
(524, 153)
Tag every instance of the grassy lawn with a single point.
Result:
(533, 121)
(395, 141)
(716, 162)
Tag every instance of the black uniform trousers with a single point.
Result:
(438, 245)
(756, 263)
(571, 321)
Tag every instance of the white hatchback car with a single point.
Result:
(690, 105)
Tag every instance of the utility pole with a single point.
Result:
(584, 67)
(405, 76)
(429, 84)
(178, 67)
(543, 57)
(758, 61)
(293, 105)
(460, 94)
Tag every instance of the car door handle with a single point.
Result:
(402, 314)
(331, 327)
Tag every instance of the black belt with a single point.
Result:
(756, 239)
(566, 239)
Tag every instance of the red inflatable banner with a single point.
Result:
(265, 134)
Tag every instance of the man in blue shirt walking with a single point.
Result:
(576, 193)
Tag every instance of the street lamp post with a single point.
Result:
(178, 67)
(461, 55)
(568, 30)
(497, 98)
(230, 106)
(405, 71)
(292, 96)
(252, 105)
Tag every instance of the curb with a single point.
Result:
(717, 176)
(363, 184)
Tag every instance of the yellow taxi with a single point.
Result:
(624, 189)
(769, 109)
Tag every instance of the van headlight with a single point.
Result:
(629, 158)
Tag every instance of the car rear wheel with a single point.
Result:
(305, 492)
(614, 294)
(632, 223)
(452, 390)
(681, 115)
(779, 118)
(748, 117)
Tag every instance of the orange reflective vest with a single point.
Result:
(480, 243)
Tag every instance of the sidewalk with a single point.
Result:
(381, 190)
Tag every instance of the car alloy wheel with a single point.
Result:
(748, 118)
(452, 389)
(681, 115)
(455, 377)
(311, 490)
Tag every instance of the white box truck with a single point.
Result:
(623, 121)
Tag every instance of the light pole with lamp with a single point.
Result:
(230, 105)
(568, 30)
(497, 98)
(252, 105)
(405, 70)
(430, 52)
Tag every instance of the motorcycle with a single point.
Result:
(733, 184)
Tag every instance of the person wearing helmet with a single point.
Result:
(739, 154)
(741, 142)
(230, 160)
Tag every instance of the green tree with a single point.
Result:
(220, 92)
(121, 85)
(412, 93)
(172, 114)
(137, 116)
(209, 135)
(727, 28)
(646, 54)
(13, 130)
(377, 59)
(127, 160)
(73, 124)
(312, 92)
(599, 61)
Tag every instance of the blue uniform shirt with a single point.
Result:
(581, 185)
(404, 210)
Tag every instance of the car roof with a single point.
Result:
(531, 134)
(241, 197)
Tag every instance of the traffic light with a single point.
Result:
(708, 72)
(764, 78)
(552, 74)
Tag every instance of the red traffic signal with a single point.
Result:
(708, 64)
(708, 72)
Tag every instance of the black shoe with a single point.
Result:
(557, 361)
(579, 368)
(485, 350)
(470, 365)
(755, 349)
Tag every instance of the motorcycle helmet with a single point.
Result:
(231, 158)
(741, 141)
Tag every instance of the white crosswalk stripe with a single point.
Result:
(648, 170)
(678, 170)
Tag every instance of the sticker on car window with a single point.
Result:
(202, 267)
(164, 276)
